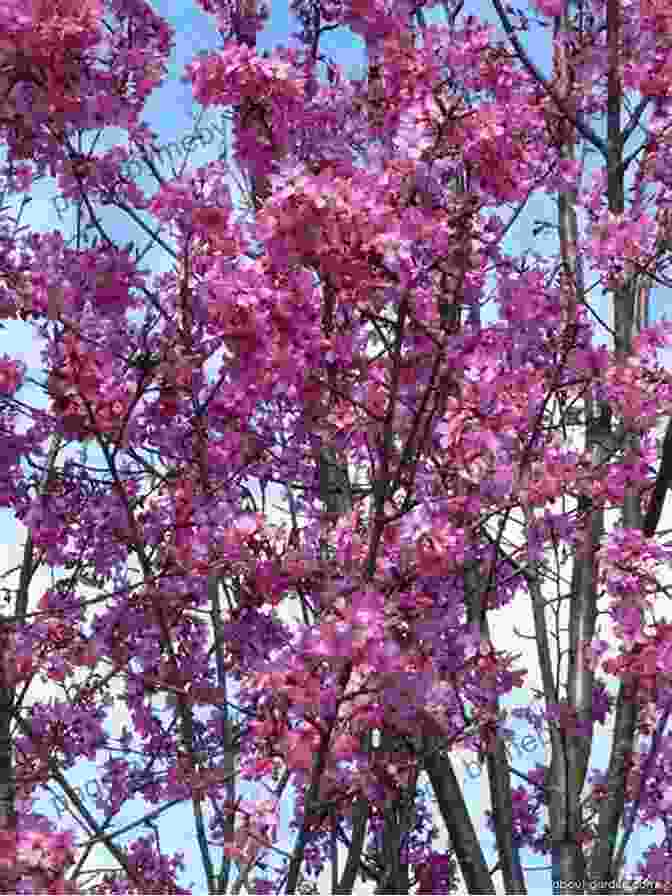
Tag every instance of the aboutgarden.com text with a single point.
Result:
(623, 884)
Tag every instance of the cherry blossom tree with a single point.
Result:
(349, 428)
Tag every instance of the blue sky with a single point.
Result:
(171, 113)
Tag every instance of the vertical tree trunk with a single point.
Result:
(611, 813)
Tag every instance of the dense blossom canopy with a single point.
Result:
(314, 435)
